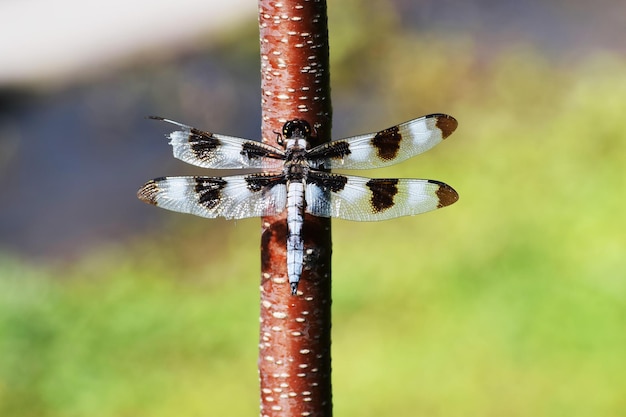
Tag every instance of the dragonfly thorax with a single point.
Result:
(296, 163)
(296, 132)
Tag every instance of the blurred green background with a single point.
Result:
(508, 303)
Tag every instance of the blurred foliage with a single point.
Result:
(510, 302)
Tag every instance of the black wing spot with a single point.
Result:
(203, 144)
(387, 143)
(150, 190)
(262, 182)
(252, 150)
(328, 182)
(210, 191)
(446, 194)
(383, 193)
(336, 150)
(447, 124)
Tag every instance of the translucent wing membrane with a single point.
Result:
(232, 197)
(387, 147)
(367, 199)
(212, 150)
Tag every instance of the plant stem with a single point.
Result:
(294, 356)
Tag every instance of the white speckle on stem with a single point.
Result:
(279, 314)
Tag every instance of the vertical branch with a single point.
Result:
(294, 356)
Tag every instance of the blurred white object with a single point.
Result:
(44, 40)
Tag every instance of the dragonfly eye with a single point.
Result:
(296, 127)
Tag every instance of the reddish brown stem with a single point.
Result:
(294, 356)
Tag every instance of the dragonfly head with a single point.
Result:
(296, 129)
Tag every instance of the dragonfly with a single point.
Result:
(296, 177)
